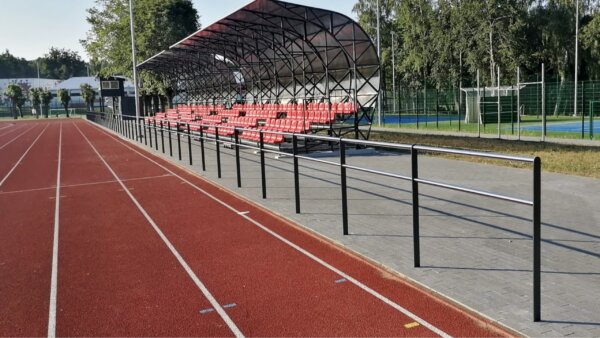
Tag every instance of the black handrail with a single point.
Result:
(414, 178)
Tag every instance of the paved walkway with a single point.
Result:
(474, 250)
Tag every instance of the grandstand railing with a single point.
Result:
(147, 133)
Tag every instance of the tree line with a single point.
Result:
(40, 99)
(441, 43)
(59, 64)
(437, 43)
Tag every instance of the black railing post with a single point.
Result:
(263, 176)
(150, 132)
(202, 149)
(162, 136)
(537, 237)
(170, 141)
(218, 150)
(238, 170)
(189, 136)
(178, 140)
(156, 135)
(415, 205)
(133, 130)
(344, 187)
(144, 130)
(296, 173)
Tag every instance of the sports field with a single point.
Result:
(101, 238)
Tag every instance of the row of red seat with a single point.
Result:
(269, 138)
(289, 126)
(239, 109)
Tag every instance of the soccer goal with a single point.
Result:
(60, 111)
(594, 111)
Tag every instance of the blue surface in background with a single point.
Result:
(569, 127)
(408, 119)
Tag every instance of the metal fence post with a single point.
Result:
(162, 136)
(150, 132)
(237, 157)
(144, 130)
(189, 136)
(170, 141)
(263, 177)
(202, 149)
(156, 135)
(296, 174)
(415, 205)
(537, 237)
(344, 187)
(218, 149)
(178, 140)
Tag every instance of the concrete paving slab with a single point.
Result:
(476, 251)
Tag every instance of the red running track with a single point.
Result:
(145, 248)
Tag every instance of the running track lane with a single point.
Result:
(12, 151)
(26, 228)
(13, 133)
(234, 257)
(9, 129)
(12, 148)
(115, 275)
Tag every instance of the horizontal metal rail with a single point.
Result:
(473, 191)
(124, 127)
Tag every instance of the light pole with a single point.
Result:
(135, 84)
(576, 53)
(394, 71)
(379, 57)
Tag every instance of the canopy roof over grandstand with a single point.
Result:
(274, 51)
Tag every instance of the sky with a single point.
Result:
(30, 27)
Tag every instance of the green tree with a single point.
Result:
(34, 97)
(45, 97)
(13, 67)
(15, 94)
(415, 22)
(61, 64)
(158, 24)
(366, 11)
(590, 41)
(88, 94)
(64, 98)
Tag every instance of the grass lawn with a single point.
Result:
(559, 158)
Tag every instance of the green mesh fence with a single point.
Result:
(445, 109)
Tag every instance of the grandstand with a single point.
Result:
(273, 66)
(251, 118)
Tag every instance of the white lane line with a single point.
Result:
(12, 130)
(54, 277)
(8, 126)
(84, 184)
(296, 247)
(17, 128)
(16, 138)
(236, 331)
(23, 156)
